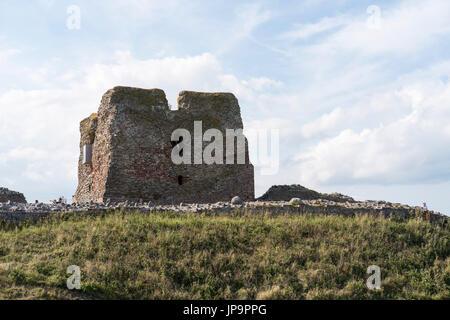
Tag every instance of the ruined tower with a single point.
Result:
(126, 148)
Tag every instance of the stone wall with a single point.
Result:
(131, 138)
(86, 174)
(21, 212)
(12, 196)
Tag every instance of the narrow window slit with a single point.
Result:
(87, 154)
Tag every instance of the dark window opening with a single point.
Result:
(180, 180)
(156, 196)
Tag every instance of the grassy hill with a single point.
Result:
(216, 256)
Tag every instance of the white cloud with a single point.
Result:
(305, 31)
(144, 9)
(263, 83)
(411, 25)
(248, 17)
(325, 123)
(352, 61)
(408, 149)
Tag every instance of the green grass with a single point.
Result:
(127, 255)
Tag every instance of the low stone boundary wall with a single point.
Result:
(275, 209)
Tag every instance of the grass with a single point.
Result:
(130, 255)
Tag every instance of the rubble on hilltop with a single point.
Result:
(22, 211)
(7, 195)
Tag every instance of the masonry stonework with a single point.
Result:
(11, 196)
(130, 137)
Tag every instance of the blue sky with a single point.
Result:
(358, 89)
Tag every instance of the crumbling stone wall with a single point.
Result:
(131, 139)
(287, 192)
(13, 196)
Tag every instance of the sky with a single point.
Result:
(359, 91)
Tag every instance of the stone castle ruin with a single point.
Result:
(126, 148)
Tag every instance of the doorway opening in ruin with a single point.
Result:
(180, 180)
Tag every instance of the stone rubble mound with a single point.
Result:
(288, 192)
(7, 195)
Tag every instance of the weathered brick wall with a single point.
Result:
(132, 149)
(86, 175)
